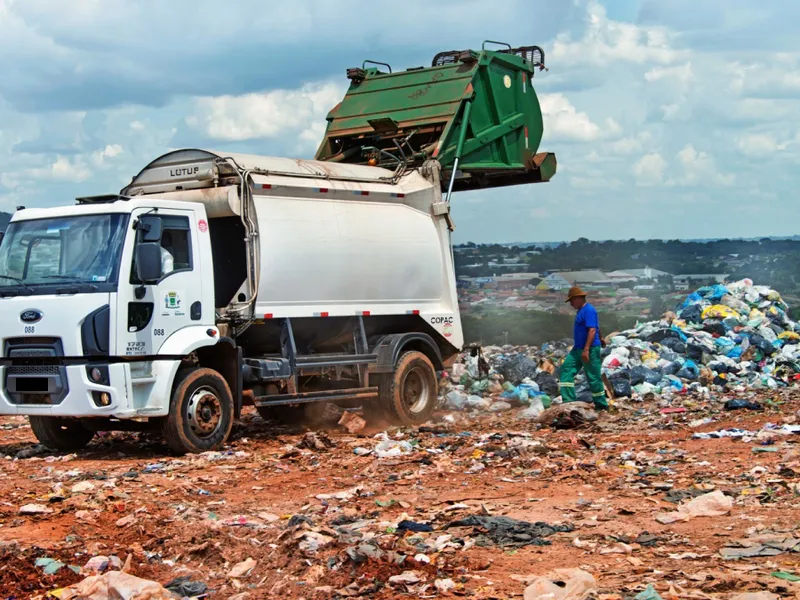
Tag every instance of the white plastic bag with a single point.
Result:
(114, 585)
(713, 504)
(561, 584)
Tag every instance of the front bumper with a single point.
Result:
(76, 394)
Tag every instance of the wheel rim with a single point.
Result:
(204, 412)
(416, 390)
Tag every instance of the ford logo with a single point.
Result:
(31, 316)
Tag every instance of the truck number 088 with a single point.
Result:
(158, 332)
(30, 329)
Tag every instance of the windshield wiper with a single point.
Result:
(71, 279)
(18, 280)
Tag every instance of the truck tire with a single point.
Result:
(60, 434)
(410, 394)
(200, 413)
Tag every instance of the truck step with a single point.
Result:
(321, 396)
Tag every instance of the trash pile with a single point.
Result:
(733, 338)
(737, 336)
(524, 377)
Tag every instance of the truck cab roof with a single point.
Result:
(122, 205)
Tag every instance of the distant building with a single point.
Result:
(684, 282)
(619, 277)
(513, 281)
(647, 273)
(586, 279)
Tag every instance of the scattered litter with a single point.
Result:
(562, 584)
(186, 588)
(352, 422)
(713, 504)
(116, 585)
(35, 509)
(505, 531)
(242, 569)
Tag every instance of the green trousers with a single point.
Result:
(572, 365)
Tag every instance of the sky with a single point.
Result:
(676, 119)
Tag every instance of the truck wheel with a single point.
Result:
(409, 395)
(60, 434)
(200, 413)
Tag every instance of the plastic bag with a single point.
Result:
(388, 448)
(649, 593)
(561, 584)
(547, 383)
(692, 314)
(735, 304)
(455, 400)
(621, 387)
(713, 292)
(674, 344)
(499, 407)
(515, 396)
(689, 371)
(478, 403)
(767, 333)
(533, 411)
(646, 388)
(718, 311)
(643, 374)
(691, 299)
(762, 344)
(479, 387)
(672, 368)
(715, 327)
(472, 367)
(115, 584)
(713, 504)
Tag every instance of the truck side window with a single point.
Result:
(176, 247)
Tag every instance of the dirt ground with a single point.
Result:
(323, 522)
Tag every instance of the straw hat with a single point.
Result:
(575, 292)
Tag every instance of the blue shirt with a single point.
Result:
(585, 320)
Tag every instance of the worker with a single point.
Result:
(167, 260)
(585, 354)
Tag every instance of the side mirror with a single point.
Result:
(149, 227)
(148, 262)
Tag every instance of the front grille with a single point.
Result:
(32, 341)
(22, 352)
(34, 357)
(42, 370)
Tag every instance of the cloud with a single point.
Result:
(63, 169)
(759, 144)
(268, 114)
(649, 170)
(630, 145)
(681, 73)
(700, 169)
(606, 41)
(562, 121)
(111, 151)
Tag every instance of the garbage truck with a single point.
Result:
(217, 280)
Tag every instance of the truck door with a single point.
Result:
(149, 314)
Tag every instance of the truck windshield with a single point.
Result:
(40, 253)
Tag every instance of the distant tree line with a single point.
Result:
(771, 262)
